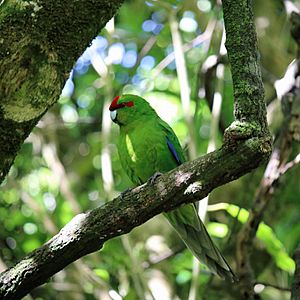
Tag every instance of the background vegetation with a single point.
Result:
(69, 163)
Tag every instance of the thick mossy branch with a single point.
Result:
(87, 232)
(39, 43)
(241, 43)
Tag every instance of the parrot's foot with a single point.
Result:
(152, 179)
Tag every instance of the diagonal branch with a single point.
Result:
(87, 232)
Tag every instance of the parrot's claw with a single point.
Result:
(152, 179)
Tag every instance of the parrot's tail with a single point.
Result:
(193, 232)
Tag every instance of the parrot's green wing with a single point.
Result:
(187, 223)
(172, 142)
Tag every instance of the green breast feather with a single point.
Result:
(144, 149)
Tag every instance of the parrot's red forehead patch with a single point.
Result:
(115, 105)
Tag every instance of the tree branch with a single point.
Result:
(241, 44)
(87, 232)
(40, 42)
(278, 165)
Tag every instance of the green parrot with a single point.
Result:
(147, 145)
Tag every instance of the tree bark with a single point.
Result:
(241, 43)
(247, 141)
(87, 232)
(39, 43)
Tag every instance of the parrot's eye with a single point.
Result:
(115, 105)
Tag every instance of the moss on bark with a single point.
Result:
(241, 43)
(39, 43)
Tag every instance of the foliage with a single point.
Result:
(70, 164)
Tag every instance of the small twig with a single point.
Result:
(290, 7)
(185, 94)
(204, 37)
(162, 257)
(51, 157)
(290, 165)
(275, 286)
(47, 222)
(146, 48)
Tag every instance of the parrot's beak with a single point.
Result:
(113, 115)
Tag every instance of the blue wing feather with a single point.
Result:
(173, 151)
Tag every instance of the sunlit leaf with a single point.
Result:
(102, 273)
(183, 276)
(265, 233)
(217, 229)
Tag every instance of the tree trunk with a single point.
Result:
(39, 43)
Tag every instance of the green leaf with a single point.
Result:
(183, 276)
(102, 273)
(217, 229)
(275, 247)
(265, 233)
(31, 244)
